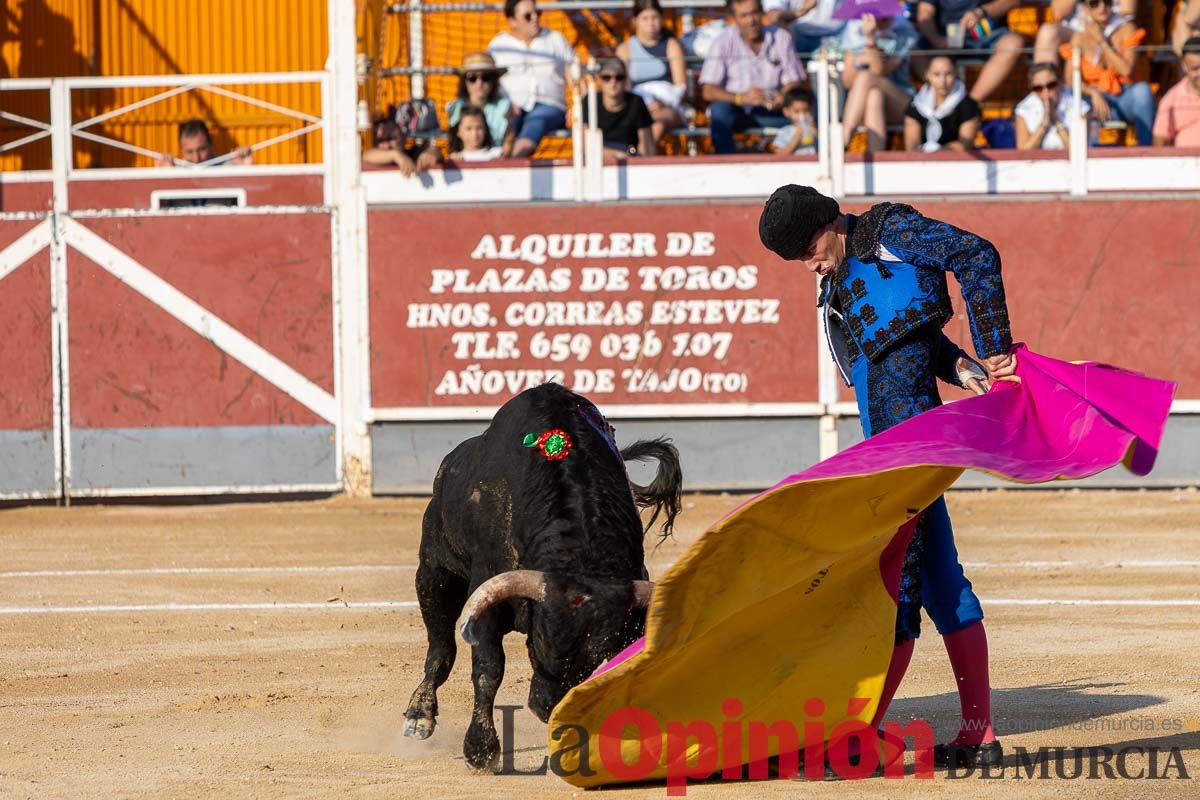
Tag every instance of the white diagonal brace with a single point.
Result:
(202, 321)
(33, 123)
(25, 247)
(125, 109)
(117, 143)
(254, 101)
(24, 140)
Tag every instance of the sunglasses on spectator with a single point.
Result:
(476, 77)
(608, 76)
(1045, 87)
(530, 16)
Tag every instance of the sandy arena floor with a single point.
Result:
(165, 693)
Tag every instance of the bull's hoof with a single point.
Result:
(483, 762)
(419, 728)
(482, 750)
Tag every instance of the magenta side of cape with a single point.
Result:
(1062, 420)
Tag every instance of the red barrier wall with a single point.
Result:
(261, 190)
(659, 304)
(26, 196)
(132, 364)
(1114, 280)
(26, 391)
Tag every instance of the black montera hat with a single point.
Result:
(791, 218)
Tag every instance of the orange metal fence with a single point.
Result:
(59, 38)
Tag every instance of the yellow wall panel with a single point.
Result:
(56, 38)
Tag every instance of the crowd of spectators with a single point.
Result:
(902, 72)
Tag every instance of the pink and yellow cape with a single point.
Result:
(792, 595)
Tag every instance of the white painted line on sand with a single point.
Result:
(656, 567)
(1084, 602)
(316, 570)
(337, 604)
(1166, 563)
(80, 573)
(374, 604)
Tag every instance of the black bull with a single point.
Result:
(550, 548)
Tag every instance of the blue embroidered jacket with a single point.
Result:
(893, 281)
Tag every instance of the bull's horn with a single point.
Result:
(642, 591)
(505, 586)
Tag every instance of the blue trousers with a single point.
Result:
(1135, 105)
(900, 385)
(538, 121)
(726, 119)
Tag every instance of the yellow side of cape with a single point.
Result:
(779, 602)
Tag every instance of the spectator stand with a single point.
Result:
(430, 37)
(420, 40)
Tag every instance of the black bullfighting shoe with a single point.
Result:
(988, 754)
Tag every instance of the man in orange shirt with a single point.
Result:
(1178, 120)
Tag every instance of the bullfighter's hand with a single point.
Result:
(1002, 367)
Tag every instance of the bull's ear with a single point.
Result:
(576, 600)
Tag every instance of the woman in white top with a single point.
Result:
(1043, 117)
(536, 60)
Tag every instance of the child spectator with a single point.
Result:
(942, 114)
(1178, 120)
(800, 136)
(470, 138)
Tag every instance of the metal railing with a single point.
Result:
(62, 92)
(824, 69)
(587, 159)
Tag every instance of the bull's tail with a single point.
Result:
(665, 492)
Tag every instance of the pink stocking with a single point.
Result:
(968, 652)
(901, 655)
(900, 658)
